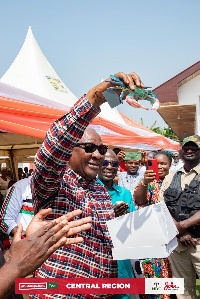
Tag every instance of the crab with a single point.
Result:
(134, 95)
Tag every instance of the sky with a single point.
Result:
(87, 40)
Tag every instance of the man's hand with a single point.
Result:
(144, 157)
(26, 255)
(95, 95)
(121, 209)
(75, 226)
(187, 240)
(121, 155)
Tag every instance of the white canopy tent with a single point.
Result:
(32, 96)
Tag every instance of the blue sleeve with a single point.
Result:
(129, 201)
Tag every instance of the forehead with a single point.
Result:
(162, 157)
(133, 161)
(110, 155)
(90, 135)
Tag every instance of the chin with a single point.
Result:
(90, 176)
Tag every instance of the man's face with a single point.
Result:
(176, 157)
(85, 164)
(108, 172)
(190, 152)
(132, 166)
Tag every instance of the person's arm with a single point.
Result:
(140, 194)
(55, 152)
(25, 256)
(10, 210)
(185, 224)
(130, 201)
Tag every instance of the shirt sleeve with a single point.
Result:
(120, 179)
(53, 155)
(10, 209)
(166, 183)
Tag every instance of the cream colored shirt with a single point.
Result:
(186, 178)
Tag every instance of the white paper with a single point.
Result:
(146, 233)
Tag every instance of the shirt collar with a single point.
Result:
(80, 180)
(196, 169)
(112, 187)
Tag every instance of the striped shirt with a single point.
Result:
(17, 206)
(57, 186)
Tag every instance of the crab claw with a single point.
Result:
(156, 105)
(134, 103)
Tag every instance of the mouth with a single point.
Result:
(106, 173)
(190, 155)
(93, 165)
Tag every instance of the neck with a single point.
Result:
(108, 184)
(131, 173)
(189, 165)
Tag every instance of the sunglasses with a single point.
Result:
(112, 163)
(193, 149)
(91, 147)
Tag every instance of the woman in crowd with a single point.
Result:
(147, 193)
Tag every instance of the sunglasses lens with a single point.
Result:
(105, 163)
(193, 149)
(90, 148)
(102, 149)
(115, 164)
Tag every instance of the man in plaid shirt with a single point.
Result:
(64, 179)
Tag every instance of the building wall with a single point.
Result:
(189, 93)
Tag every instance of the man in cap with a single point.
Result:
(181, 192)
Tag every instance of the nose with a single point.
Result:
(159, 165)
(109, 166)
(96, 154)
(189, 150)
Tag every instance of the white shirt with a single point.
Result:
(17, 206)
(130, 181)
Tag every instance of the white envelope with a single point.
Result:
(149, 232)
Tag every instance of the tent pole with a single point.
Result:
(15, 176)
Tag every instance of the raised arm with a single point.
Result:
(55, 152)
(141, 191)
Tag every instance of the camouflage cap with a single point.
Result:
(194, 138)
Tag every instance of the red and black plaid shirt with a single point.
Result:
(59, 187)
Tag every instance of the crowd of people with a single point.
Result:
(77, 177)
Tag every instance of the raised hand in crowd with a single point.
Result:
(95, 95)
(121, 155)
(149, 176)
(25, 256)
(75, 226)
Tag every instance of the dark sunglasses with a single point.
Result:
(91, 147)
(193, 149)
(112, 163)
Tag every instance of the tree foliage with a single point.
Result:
(166, 132)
